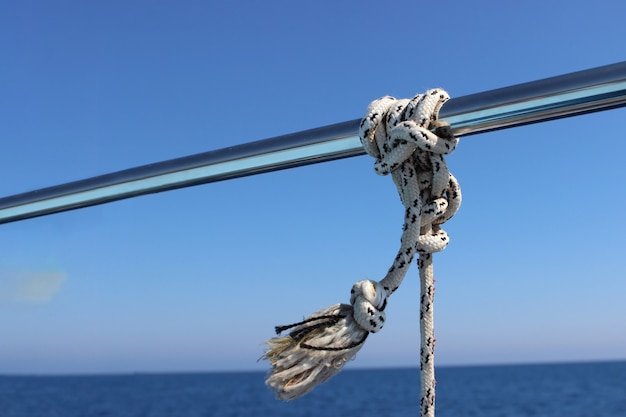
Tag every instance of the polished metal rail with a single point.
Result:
(567, 95)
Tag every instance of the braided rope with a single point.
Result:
(398, 134)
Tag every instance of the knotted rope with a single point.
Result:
(408, 142)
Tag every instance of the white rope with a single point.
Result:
(398, 134)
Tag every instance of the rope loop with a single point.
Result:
(369, 299)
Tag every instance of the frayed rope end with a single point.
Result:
(316, 349)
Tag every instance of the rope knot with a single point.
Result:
(394, 129)
(369, 299)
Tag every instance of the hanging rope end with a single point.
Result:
(316, 349)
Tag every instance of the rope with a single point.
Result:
(398, 134)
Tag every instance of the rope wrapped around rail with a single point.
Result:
(409, 142)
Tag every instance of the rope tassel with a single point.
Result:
(319, 346)
(408, 142)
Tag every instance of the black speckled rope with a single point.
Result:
(398, 134)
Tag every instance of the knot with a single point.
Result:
(392, 130)
(369, 299)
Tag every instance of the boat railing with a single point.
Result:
(581, 92)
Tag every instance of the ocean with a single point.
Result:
(547, 390)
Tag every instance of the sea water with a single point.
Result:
(558, 390)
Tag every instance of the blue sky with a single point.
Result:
(195, 279)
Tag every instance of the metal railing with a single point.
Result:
(596, 89)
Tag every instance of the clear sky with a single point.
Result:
(196, 279)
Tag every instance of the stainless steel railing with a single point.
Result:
(566, 95)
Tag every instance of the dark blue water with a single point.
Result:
(559, 390)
